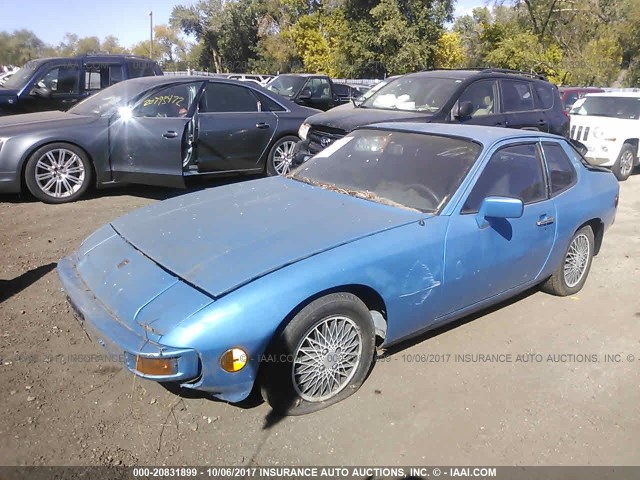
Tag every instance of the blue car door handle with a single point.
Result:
(262, 125)
(545, 220)
(170, 134)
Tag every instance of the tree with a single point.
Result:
(204, 21)
(449, 52)
(111, 44)
(19, 47)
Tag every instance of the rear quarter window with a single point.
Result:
(562, 175)
(546, 95)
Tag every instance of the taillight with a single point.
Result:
(615, 202)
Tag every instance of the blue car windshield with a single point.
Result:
(409, 170)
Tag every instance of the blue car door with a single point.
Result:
(481, 262)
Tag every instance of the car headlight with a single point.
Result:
(598, 132)
(303, 130)
(601, 133)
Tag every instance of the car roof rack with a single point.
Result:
(538, 76)
(531, 74)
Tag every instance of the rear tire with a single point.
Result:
(58, 173)
(624, 164)
(321, 357)
(572, 273)
(280, 156)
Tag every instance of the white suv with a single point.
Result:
(608, 124)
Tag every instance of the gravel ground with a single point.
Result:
(63, 404)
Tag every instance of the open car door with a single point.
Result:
(148, 142)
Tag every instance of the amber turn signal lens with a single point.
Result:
(157, 366)
(233, 360)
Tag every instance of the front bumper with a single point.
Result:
(118, 339)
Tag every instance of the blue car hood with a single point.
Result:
(221, 238)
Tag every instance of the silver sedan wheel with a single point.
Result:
(575, 264)
(326, 359)
(60, 173)
(626, 163)
(282, 157)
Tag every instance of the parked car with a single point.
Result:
(569, 95)
(608, 124)
(490, 97)
(365, 95)
(291, 282)
(7, 75)
(60, 83)
(249, 77)
(346, 93)
(152, 130)
(315, 91)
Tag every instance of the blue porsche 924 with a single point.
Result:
(289, 284)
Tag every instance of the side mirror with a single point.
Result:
(305, 94)
(499, 207)
(464, 109)
(358, 101)
(41, 92)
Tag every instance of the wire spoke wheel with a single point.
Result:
(59, 173)
(283, 157)
(576, 261)
(326, 358)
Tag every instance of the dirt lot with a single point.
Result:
(60, 406)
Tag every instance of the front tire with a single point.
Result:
(280, 156)
(624, 164)
(321, 357)
(58, 173)
(571, 275)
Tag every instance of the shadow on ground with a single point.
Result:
(151, 192)
(9, 288)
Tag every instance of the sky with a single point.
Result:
(126, 19)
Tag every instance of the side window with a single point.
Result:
(320, 88)
(482, 96)
(517, 96)
(561, 172)
(571, 99)
(115, 74)
(545, 96)
(225, 97)
(140, 68)
(173, 101)
(92, 78)
(64, 79)
(514, 171)
(98, 76)
(268, 105)
(341, 89)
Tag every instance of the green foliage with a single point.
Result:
(523, 52)
(571, 41)
(449, 52)
(19, 47)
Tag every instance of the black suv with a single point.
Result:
(492, 97)
(59, 83)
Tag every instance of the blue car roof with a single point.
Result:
(479, 133)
